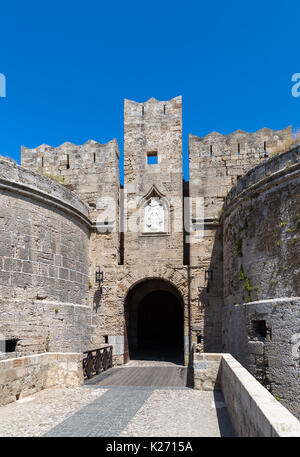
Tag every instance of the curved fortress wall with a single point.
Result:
(261, 243)
(92, 171)
(216, 163)
(44, 265)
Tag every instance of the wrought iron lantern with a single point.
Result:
(99, 276)
(208, 278)
(208, 275)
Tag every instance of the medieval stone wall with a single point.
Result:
(150, 242)
(92, 171)
(216, 163)
(261, 242)
(265, 337)
(153, 127)
(262, 232)
(44, 263)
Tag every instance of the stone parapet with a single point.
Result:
(23, 376)
(25, 182)
(253, 411)
(264, 336)
(206, 369)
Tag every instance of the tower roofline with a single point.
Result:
(153, 100)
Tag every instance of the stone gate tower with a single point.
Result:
(153, 209)
(153, 169)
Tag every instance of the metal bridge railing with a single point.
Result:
(97, 360)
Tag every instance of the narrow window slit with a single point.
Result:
(143, 111)
(265, 149)
(94, 157)
(211, 150)
(68, 161)
(239, 149)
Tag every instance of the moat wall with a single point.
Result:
(44, 264)
(261, 245)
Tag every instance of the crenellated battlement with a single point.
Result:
(52, 160)
(217, 161)
(153, 158)
(239, 143)
(152, 110)
(91, 170)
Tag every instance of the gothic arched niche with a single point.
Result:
(154, 213)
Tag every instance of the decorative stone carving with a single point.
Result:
(154, 216)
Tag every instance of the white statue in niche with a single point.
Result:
(154, 216)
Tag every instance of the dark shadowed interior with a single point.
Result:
(155, 323)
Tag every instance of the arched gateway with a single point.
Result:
(154, 322)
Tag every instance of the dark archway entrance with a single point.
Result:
(154, 322)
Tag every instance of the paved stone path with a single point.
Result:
(147, 401)
(145, 411)
(120, 402)
(107, 417)
(35, 415)
(181, 413)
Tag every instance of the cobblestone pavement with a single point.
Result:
(106, 416)
(34, 415)
(145, 411)
(120, 410)
(178, 413)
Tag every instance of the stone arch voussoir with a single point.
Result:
(177, 278)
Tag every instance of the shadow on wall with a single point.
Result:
(211, 297)
(97, 299)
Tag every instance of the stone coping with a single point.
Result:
(267, 301)
(267, 414)
(20, 180)
(42, 358)
(24, 376)
(252, 408)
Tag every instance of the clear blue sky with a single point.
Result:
(69, 66)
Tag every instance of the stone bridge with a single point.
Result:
(214, 397)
